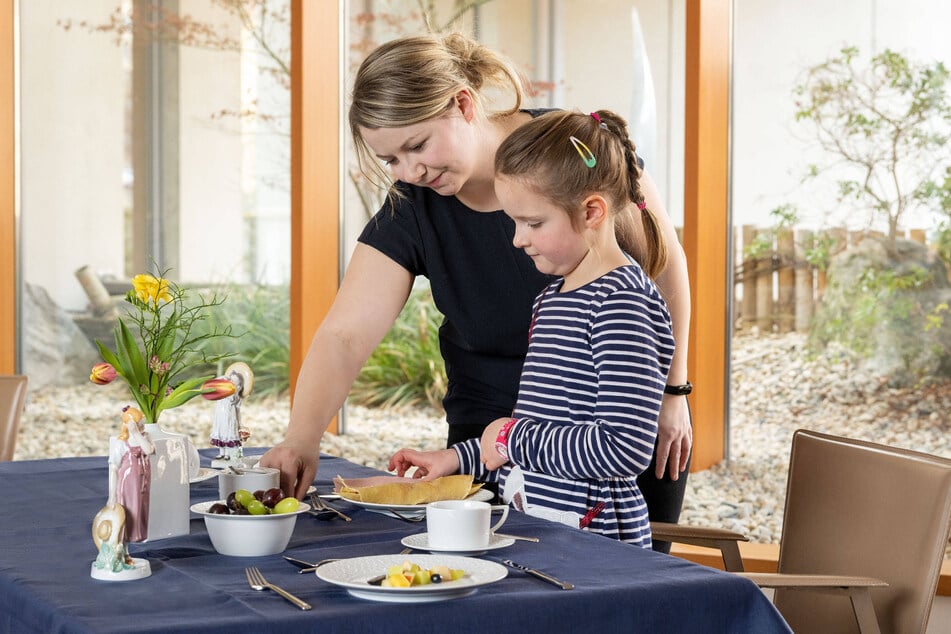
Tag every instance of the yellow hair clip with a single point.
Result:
(584, 151)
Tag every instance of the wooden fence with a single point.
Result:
(778, 291)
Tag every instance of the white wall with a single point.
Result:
(72, 148)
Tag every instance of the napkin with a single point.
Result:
(393, 490)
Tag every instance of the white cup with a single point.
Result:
(461, 524)
(262, 478)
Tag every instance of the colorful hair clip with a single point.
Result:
(586, 154)
(642, 205)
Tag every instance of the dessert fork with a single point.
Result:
(257, 582)
(408, 518)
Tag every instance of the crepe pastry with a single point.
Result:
(393, 490)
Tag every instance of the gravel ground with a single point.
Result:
(775, 390)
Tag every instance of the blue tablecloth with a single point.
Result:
(46, 550)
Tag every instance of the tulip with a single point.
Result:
(217, 389)
(102, 374)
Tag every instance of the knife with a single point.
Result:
(538, 573)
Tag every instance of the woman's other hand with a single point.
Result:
(674, 437)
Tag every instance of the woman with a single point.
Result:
(419, 105)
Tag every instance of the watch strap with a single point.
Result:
(679, 390)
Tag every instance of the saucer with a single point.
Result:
(420, 541)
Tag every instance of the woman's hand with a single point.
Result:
(297, 462)
(429, 464)
(674, 436)
(491, 458)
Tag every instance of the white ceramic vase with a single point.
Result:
(169, 497)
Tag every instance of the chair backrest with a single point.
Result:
(12, 400)
(860, 508)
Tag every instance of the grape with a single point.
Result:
(256, 507)
(232, 502)
(287, 505)
(272, 497)
(243, 496)
(219, 509)
(259, 495)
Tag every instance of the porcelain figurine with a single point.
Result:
(112, 524)
(228, 434)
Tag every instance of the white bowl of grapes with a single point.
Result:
(251, 524)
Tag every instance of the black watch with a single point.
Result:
(679, 390)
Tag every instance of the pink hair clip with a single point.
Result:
(642, 205)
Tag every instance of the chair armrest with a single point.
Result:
(792, 581)
(723, 540)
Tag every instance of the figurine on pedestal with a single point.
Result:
(112, 524)
(227, 433)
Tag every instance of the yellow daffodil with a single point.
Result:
(148, 287)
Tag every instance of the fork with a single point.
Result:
(322, 506)
(406, 518)
(257, 582)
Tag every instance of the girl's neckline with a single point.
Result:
(561, 281)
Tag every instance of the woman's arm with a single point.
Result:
(674, 434)
(371, 296)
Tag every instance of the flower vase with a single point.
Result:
(169, 496)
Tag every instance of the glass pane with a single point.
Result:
(623, 55)
(827, 336)
(155, 137)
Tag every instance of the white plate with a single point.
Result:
(204, 473)
(323, 496)
(413, 509)
(352, 574)
(420, 541)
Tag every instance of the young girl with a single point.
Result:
(600, 339)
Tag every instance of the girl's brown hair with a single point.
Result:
(541, 154)
(414, 79)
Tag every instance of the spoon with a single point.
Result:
(306, 566)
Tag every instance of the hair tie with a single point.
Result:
(642, 205)
(597, 117)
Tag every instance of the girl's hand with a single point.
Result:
(429, 464)
(491, 458)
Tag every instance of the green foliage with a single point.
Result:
(260, 319)
(885, 300)
(886, 126)
(784, 217)
(407, 367)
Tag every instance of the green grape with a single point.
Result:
(244, 497)
(287, 505)
(256, 507)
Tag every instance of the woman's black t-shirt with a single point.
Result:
(481, 283)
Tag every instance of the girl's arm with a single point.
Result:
(632, 348)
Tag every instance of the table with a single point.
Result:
(47, 549)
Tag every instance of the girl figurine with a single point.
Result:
(227, 434)
(130, 451)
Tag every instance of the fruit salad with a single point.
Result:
(408, 574)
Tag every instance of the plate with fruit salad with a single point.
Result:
(411, 578)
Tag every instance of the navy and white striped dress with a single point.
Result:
(588, 402)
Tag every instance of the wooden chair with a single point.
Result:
(12, 400)
(863, 521)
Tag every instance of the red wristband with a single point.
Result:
(502, 440)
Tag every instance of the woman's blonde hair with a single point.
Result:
(552, 153)
(415, 78)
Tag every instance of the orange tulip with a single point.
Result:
(217, 389)
(102, 374)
